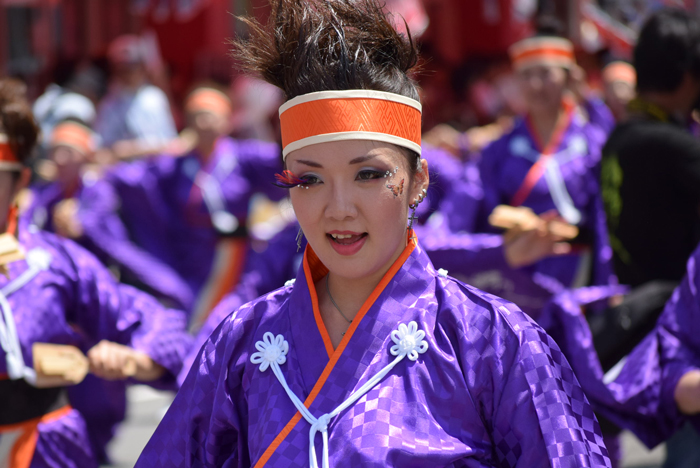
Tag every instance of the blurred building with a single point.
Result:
(461, 39)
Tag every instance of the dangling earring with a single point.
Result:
(300, 235)
(414, 205)
(411, 218)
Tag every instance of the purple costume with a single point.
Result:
(568, 185)
(172, 212)
(61, 294)
(101, 403)
(440, 374)
(639, 394)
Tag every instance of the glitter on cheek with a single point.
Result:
(396, 189)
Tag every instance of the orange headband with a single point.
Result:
(74, 135)
(8, 158)
(534, 51)
(350, 115)
(208, 100)
(620, 71)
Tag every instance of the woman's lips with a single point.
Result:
(346, 243)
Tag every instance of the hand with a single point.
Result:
(65, 219)
(524, 247)
(687, 393)
(112, 361)
(445, 137)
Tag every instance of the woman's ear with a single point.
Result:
(421, 180)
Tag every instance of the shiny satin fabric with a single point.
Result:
(639, 394)
(76, 301)
(491, 390)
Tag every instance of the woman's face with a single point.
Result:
(353, 215)
(209, 125)
(69, 162)
(543, 87)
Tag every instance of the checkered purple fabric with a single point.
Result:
(492, 389)
(76, 301)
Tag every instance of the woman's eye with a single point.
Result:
(369, 175)
(309, 180)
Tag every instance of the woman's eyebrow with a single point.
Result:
(309, 163)
(362, 159)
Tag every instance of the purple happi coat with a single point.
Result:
(568, 185)
(474, 382)
(638, 394)
(173, 211)
(70, 298)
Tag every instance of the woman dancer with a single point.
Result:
(548, 162)
(52, 291)
(371, 357)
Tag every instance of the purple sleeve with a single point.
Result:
(202, 426)
(264, 272)
(532, 402)
(260, 161)
(679, 335)
(630, 394)
(599, 114)
(462, 253)
(109, 238)
(490, 165)
(106, 310)
(444, 170)
(461, 205)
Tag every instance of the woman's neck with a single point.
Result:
(341, 299)
(205, 149)
(544, 123)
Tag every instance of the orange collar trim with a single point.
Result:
(313, 271)
(329, 116)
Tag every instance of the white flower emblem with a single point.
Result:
(271, 349)
(39, 259)
(442, 273)
(290, 283)
(409, 341)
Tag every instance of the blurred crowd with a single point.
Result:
(560, 189)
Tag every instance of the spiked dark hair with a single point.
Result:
(324, 45)
(329, 45)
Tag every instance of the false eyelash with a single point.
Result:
(288, 180)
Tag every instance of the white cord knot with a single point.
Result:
(321, 424)
(442, 273)
(409, 341)
(271, 349)
(39, 259)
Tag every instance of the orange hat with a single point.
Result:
(357, 114)
(544, 50)
(74, 135)
(8, 159)
(620, 71)
(208, 100)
